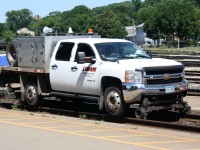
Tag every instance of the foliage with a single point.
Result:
(2, 28)
(79, 18)
(14, 107)
(121, 10)
(169, 18)
(82, 116)
(17, 19)
(8, 35)
(137, 4)
(151, 2)
(163, 19)
(53, 20)
(108, 25)
(174, 51)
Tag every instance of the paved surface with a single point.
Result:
(26, 130)
(194, 102)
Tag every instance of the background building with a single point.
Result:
(136, 34)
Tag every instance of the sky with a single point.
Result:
(44, 7)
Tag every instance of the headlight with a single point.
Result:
(183, 74)
(133, 76)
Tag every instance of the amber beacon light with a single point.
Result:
(90, 31)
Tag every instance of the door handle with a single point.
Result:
(74, 68)
(54, 67)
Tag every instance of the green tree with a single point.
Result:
(137, 5)
(79, 18)
(195, 2)
(17, 19)
(8, 35)
(169, 17)
(2, 28)
(151, 2)
(109, 26)
(121, 10)
(150, 18)
(53, 20)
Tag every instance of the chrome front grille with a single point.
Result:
(163, 81)
(154, 76)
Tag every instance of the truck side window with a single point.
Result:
(85, 48)
(64, 51)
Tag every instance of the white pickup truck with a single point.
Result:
(114, 72)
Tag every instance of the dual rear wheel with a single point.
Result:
(31, 94)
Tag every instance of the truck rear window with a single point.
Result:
(64, 51)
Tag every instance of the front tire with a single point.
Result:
(31, 94)
(114, 102)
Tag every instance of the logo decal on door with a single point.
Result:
(89, 69)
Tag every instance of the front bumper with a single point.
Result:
(133, 92)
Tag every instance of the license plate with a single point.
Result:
(169, 89)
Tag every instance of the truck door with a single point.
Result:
(60, 70)
(84, 77)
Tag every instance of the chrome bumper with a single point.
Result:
(133, 92)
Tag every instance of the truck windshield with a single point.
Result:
(120, 50)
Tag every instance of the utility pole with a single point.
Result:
(134, 28)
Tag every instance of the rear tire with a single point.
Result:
(31, 94)
(114, 102)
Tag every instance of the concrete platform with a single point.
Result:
(194, 102)
(35, 131)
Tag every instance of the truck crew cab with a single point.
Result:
(114, 72)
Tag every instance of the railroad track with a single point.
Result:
(190, 122)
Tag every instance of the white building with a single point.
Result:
(136, 34)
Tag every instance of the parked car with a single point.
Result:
(148, 44)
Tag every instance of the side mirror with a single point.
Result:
(81, 57)
(90, 60)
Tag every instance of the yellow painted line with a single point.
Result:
(124, 136)
(18, 119)
(164, 142)
(117, 129)
(1, 112)
(155, 134)
(68, 126)
(53, 119)
(9, 115)
(88, 136)
(87, 131)
(44, 122)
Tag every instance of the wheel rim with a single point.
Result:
(31, 94)
(113, 101)
(138, 114)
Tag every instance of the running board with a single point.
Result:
(89, 97)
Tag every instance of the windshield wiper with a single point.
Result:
(141, 56)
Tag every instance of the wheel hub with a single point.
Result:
(31, 93)
(114, 101)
